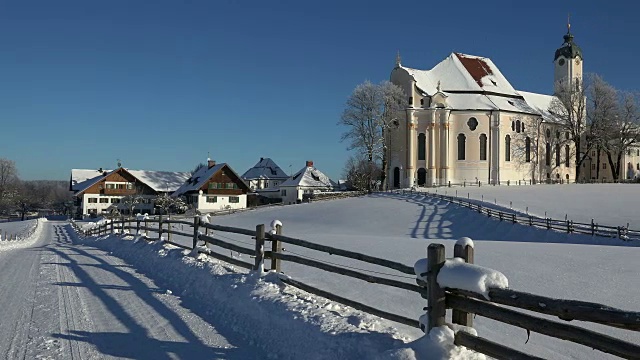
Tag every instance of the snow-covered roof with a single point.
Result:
(265, 169)
(159, 181)
(197, 180)
(309, 177)
(475, 83)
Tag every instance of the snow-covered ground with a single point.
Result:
(607, 204)
(122, 298)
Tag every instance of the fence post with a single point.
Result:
(593, 228)
(437, 307)
(618, 230)
(146, 227)
(568, 227)
(548, 223)
(461, 317)
(137, 227)
(169, 231)
(276, 248)
(513, 218)
(259, 248)
(196, 223)
(160, 227)
(111, 226)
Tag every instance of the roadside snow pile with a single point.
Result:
(283, 321)
(94, 224)
(28, 232)
(438, 344)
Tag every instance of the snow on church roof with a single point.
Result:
(540, 103)
(309, 177)
(265, 169)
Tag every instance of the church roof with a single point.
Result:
(265, 169)
(569, 49)
(475, 83)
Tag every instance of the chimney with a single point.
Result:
(211, 163)
(100, 170)
(309, 163)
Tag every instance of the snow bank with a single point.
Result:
(459, 275)
(27, 235)
(437, 345)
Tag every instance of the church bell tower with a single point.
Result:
(568, 61)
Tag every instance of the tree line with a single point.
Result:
(24, 196)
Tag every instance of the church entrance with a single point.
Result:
(396, 177)
(422, 177)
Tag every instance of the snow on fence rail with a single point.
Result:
(568, 226)
(443, 294)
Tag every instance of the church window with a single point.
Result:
(638, 154)
(523, 126)
(566, 135)
(483, 147)
(566, 155)
(527, 145)
(548, 155)
(421, 101)
(629, 152)
(557, 155)
(548, 133)
(518, 126)
(513, 126)
(472, 123)
(557, 134)
(461, 146)
(638, 166)
(410, 100)
(561, 62)
(507, 148)
(421, 146)
(593, 166)
(604, 166)
(593, 153)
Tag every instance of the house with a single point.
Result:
(95, 191)
(304, 184)
(265, 174)
(466, 122)
(214, 187)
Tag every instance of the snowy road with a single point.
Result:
(61, 299)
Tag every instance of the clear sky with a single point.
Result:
(159, 84)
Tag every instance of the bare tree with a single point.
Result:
(371, 112)
(569, 107)
(357, 172)
(131, 201)
(8, 182)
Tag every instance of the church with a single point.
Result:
(466, 123)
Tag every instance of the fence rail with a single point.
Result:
(568, 226)
(464, 304)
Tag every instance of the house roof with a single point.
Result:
(309, 177)
(475, 83)
(82, 179)
(200, 177)
(265, 169)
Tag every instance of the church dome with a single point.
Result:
(569, 49)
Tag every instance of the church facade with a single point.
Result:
(466, 123)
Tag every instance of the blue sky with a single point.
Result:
(159, 84)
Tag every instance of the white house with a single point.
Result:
(307, 181)
(466, 122)
(265, 174)
(97, 190)
(213, 188)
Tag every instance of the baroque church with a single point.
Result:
(466, 123)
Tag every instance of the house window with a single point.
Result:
(593, 153)
(111, 186)
(566, 155)
(234, 199)
(527, 145)
(548, 155)
(507, 145)
(93, 200)
(115, 200)
(275, 183)
(104, 201)
(230, 185)
(129, 186)
(548, 133)
(483, 147)
(212, 199)
(557, 155)
(604, 165)
(593, 166)
(213, 185)
(461, 144)
(422, 139)
(283, 192)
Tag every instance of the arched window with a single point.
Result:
(566, 155)
(422, 139)
(548, 132)
(461, 146)
(422, 177)
(557, 155)
(523, 126)
(513, 126)
(548, 154)
(507, 146)
(527, 148)
(557, 134)
(483, 147)
(421, 101)
(518, 126)
(410, 100)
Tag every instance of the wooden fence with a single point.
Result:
(463, 303)
(568, 226)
